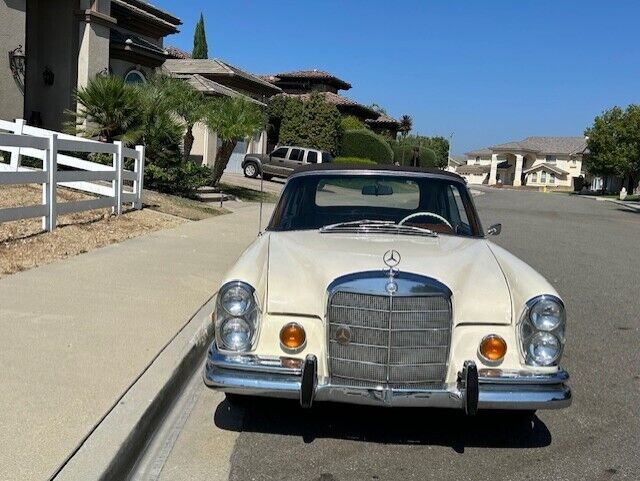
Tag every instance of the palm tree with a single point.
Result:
(406, 124)
(107, 109)
(183, 100)
(233, 119)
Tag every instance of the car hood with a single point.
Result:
(303, 263)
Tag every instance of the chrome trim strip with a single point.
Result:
(498, 376)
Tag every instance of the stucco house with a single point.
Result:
(216, 78)
(535, 161)
(302, 83)
(50, 48)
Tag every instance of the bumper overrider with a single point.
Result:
(474, 389)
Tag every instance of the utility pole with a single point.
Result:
(449, 150)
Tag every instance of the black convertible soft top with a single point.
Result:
(374, 167)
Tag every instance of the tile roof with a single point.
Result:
(210, 87)
(337, 100)
(546, 166)
(546, 145)
(383, 119)
(541, 145)
(213, 66)
(473, 169)
(175, 52)
(309, 74)
(480, 152)
(150, 13)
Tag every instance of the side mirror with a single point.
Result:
(495, 229)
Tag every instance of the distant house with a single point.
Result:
(57, 46)
(534, 161)
(216, 78)
(454, 162)
(302, 83)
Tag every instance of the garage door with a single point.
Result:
(235, 162)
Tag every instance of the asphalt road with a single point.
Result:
(589, 251)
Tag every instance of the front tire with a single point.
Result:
(251, 170)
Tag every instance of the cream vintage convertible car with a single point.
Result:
(377, 285)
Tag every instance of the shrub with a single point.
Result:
(406, 153)
(432, 151)
(352, 160)
(366, 145)
(182, 178)
(352, 122)
(312, 123)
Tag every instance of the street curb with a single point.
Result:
(112, 449)
(613, 201)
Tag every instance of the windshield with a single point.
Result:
(329, 201)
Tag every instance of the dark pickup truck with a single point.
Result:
(282, 161)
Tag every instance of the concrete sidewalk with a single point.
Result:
(75, 334)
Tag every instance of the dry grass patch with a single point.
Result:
(24, 245)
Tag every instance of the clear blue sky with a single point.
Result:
(490, 71)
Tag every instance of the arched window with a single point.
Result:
(134, 77)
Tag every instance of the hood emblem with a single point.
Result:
(391, 258)
(343, 335)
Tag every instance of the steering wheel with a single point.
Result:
(428, 214)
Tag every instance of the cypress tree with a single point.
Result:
(200, 49)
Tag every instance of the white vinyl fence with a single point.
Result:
(46, 145)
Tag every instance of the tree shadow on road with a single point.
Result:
(438, 427)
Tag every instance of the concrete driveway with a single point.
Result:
(274, 185)
(588, 250)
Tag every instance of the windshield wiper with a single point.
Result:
(419, 229)
(357, 223)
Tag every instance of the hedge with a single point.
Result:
(352, 160)
(404, 153)
(366, 145)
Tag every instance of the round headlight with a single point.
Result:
(235, 334)
(237, 300)
(547, 314)
(544, 348)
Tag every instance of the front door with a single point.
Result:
(294, 160)
(276, 163)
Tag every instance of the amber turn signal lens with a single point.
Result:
(493, 348)
(292, 336)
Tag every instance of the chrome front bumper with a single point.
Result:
(496, 389)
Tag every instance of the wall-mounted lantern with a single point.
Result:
(48, 76)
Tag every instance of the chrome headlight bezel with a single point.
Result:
(225, 312)
(531, 328)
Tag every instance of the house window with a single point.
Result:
(134, 77)
(543, 177)
(552, 178)
(477, 160)
(551, 159)
(534, 177)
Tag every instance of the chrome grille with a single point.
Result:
(396, 341)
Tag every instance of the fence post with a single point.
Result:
(15, 152)
(139, 182)
(118, 165)
(50, 188)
